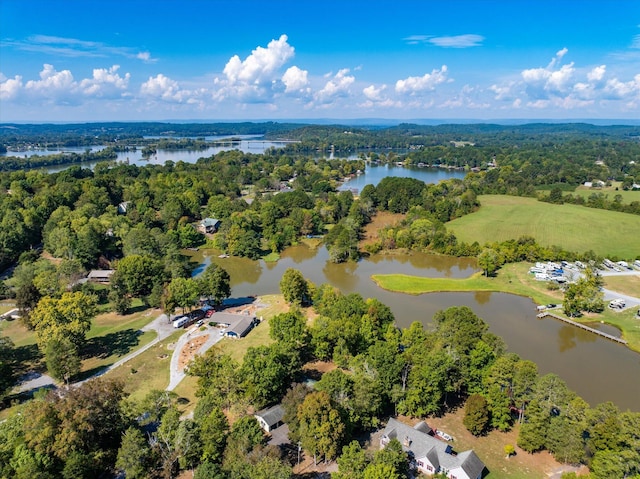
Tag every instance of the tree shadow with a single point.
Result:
(27, 358)
(118, 343)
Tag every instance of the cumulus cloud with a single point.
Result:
(541, 81)
(427, 82)
(295, 80)
(597, 73)
(164, 88)
(374, 94)
(336, 87)
(10, 87)
(261, 64)
(105, 82)
(251, 79)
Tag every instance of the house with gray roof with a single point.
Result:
(209, 225)
(430, 455)
(270, 418)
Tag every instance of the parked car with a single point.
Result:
(209, 313)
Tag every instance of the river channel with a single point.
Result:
(597, 369)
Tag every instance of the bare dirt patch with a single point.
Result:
(190, 349)
(320, 366)
(379, 221)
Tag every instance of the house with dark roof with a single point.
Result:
(209, 225)
(241, 328)
(430, 455)
(270, 418)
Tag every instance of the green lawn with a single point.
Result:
(572, 227)
(147, 371)
(610, 191)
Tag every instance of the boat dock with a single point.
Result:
(582, 326)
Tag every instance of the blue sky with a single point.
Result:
(117, 60)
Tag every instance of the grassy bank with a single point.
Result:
(574, 228)
(514, 279)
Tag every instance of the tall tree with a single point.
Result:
(67, 318)
(294, 287)
(134, 455)
(476, 414)
(62, 359)
(322, 430)
(216, 283)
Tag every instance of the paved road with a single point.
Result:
(161, 325)
(176, 373)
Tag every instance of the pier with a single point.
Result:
(582, 326)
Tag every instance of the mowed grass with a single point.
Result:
(629, 285)
(572, 227)
(512, 278)
(609, 191)
(147, 371)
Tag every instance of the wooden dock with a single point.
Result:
(582, 326)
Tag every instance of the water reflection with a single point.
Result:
(482, 297)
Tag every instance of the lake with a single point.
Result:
(597, 369)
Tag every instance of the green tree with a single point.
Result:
(62, 359)
(476, 415)
(380, 471)
(289, 328)
(216, 283)
(6, 365)
(294, 287)
(67, 318)
(183, 292)
(322, 430)
(138, 274)
(214, 429)
(352, 462)
(134, 455)
(393, 455)
(489, 261)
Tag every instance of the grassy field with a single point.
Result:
(629, 285)
(575, 228)
(610, 191)
(147, 371)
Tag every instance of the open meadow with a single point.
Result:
(572, 227)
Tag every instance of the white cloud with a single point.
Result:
(57, 87)
(374, 94)
(619, 90)
(295, 80)
(261, 64)
(105, 82)
(74, 47)
(164, 88)
(10, 87)
(635, 42)
(337, 86)
(427, 82)
(450, 41)
(457, 41)
(597, 73)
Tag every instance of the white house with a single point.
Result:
(270, 418)
(430, 455)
